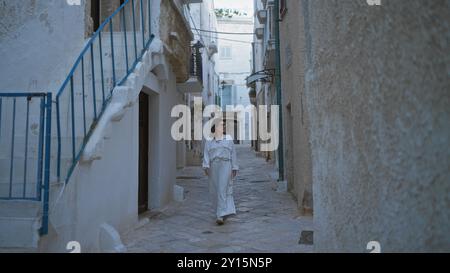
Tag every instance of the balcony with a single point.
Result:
(268, 3)
(194, 84)
(262, 16)
(259, 32)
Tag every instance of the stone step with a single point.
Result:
(33, 151)
(20, 222)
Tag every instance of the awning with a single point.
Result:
(260, 76)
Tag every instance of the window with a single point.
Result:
(283, 8)
(225, 52)
(95, 14)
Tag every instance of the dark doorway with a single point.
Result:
(143, 152)
(95, 14)
(236, 133)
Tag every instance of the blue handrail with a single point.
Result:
(43, 148)
(72, 108)
(46, 186)
(125, 18)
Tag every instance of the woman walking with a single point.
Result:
(220, 165)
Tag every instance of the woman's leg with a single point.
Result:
(222, 179)
(231, 208)
(212, 187)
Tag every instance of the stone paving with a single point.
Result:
(266, 220)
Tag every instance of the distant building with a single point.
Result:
(235, 59)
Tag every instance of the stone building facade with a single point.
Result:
(297, 149)
(366, 108)
(234, 66)
(128, 162)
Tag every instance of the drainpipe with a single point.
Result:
(278, 86)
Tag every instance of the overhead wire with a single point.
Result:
(226, 33)
(225, 39)
(195, 27)
(201, 36)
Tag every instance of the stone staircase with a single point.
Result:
(21, 218)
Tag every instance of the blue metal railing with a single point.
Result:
(103, 64)
(37, 106)
(78, 102)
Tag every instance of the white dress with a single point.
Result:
(220, 158)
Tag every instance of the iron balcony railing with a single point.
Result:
(106, 61)
(25, 142)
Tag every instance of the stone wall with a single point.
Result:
(297, 150)
(175, 32)
(39, 41)
(376, 94)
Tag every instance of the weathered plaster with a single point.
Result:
(176, 34)
(39, 43)
(298, 165)
(377, 97)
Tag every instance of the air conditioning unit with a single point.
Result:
(259, 32)
(262, 16)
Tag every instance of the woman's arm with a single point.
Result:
(206, 157)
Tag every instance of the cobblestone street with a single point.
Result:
(110, 110)
(266, 220)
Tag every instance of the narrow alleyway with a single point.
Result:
(266, 221)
